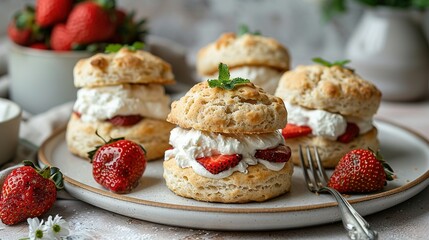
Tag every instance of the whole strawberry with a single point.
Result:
(50, 12)
(90, 22)
(23, 30)
(118, 164)
(361, 171)
(29, 192)
(61, 39)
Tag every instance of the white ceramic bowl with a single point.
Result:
(41, 79)
(10, 119)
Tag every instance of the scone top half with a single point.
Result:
(259, 58)
(246, 109)
(334, 89)
(123, 67)
(124, 83)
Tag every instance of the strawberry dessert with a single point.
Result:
(121, 94)
(227, 147)
(330, 107)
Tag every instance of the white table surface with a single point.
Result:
(408, 220)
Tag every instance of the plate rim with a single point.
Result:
(42, 157)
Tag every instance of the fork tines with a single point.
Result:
(319, 177)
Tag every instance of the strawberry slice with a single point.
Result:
(293, 131)
(125, 120)
(218, 163)
(281, 153)
(352, 131)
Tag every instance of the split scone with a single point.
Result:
(329, 107)
(260, 59)
(227, 146)
(121, 95)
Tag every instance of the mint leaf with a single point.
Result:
(113, 48)
(224, 80)
(323, 62)
(244, 29)
(223, 72)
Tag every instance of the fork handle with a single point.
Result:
(353, 222)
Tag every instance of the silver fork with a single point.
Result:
(353, 222)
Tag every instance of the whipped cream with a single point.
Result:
(323, 123)
(264, 77)
(102, 103)
(192, 144)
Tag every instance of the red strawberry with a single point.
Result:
(292, 131)
(50, 12)
(39, 45)
(361, 171)
(281, 153)
(118, 164)
(18, 36)
(352, 131)
(89, 22)
(61, 39)
(125, 120)
(218, 163)
(22, 29)
(28, 192)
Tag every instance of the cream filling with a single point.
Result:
(323, 123)
(188, 145)
(100, 103)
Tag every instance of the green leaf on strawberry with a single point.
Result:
(224, 80)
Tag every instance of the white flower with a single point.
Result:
(37, 229)
(57, 227)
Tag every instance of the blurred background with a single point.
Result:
(298, 24)
(191, 24)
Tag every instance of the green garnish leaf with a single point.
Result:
(113, 48)
(224, 80)
(323, 62)
(244, 29)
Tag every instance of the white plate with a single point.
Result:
(407, 152)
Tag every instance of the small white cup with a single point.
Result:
(10, 120)
(41, 79)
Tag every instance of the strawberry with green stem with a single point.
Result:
(29, 192)
(118, 164)
(361, 171)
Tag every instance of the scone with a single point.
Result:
(227, 146)
(121, 95)
(331, 108)
(261, 59)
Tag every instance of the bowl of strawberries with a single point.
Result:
(46, 41)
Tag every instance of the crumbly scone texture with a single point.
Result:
(333, 89)
(152, 134)
(332, 151)
(125, 66)
(259, 184)
(245, 50)
(246, 109)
